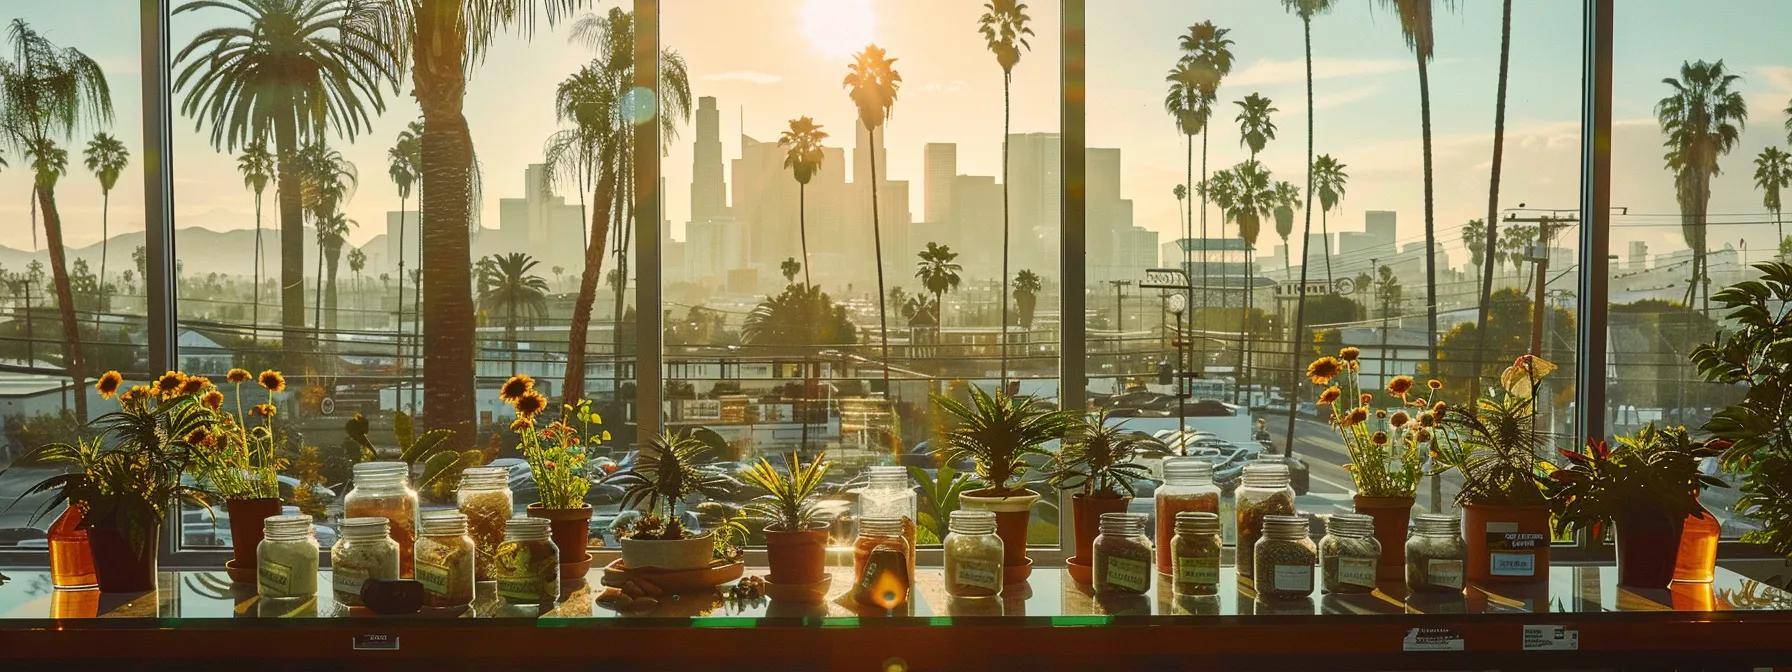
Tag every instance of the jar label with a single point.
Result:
(433, 577)
(1446, 573)
(1293, 578)
(347, 580)
(1129, 573)
(1356, 572)
(985, 574)
(1512, 564)
(526, 588)
(1193, 569)
(275, 578)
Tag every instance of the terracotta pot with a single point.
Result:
(246, 516)
(797, 558)
(668, 554)
(1087, 513)
(1647, 546)
(123, 568)
(571, 529)
(1696, 561)
(1391, 516)
(1517, 536)
(1013, 513)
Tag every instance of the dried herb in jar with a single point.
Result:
(444, 560)
(485, 498)
(1122, 555)
(1195, 550)
(1284, 558)
(1434, 554)
(1348, 554)
(526, 564)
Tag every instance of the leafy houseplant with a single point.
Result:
(937, 498)
(998, 432)
(126, 478)
(1645, 487)
(1387, 446)
(241, 463)
(1498, 451)
(795, 540)
(435, 466)
(664, 475)
(1096, 461)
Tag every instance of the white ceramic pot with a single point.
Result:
(673, 554)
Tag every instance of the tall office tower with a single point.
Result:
(708, 199)
(941, 165)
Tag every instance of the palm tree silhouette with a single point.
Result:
(1329, 182)
(1415, 24)
(1490, 237)
(1255, 128)
(357, 260)
(1473, 233)
(1287, 200)
(803, 156)
(326, 179)
(1306, 10)
(1702, 119)
(1208, 55)
(1191, 108)
(789, 268)
(106, 158)
(939, 273)
(1005, 31)
(51, 93)
(507, 285)
(295, 67)
(256, 165)
(1773, 172)
(1251, 198)
(1026, 295)
(872, 82)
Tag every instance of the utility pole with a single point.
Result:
(1119, 310)
(1547, 226)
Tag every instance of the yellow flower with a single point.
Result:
(516, 387)
(168, 384)
(137, 393)
(213, 399)
(1399, 419)
(1424, 436)
(530, 404)
(108, 384)
(1355, 417)
(1349, 354)
(1434, 384)
(1380, 438)
(264, 410)
(1365, 398)
(1400, 385)
(1323, 370)
(521, 424)
(1330, 395)
(237, 376)
(272, 381)
(195, 384)
(1427, 419)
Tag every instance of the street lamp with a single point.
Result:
(1178, 304)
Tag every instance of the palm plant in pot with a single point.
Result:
(795, 538)
(1096, 462)
(126, 478)
(664, 475)
(241, 463)
(1644, 487)
(1497, 450)
(1387, 446)
(999, 433)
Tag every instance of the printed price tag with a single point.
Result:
(376, 642)
(1551, 638)
(1431, 639)
(1512, 564)
(1444, 573)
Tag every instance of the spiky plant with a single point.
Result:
(997, 432)
(664, 475)
(1097, 458)
(788, 504)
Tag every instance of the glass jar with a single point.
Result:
(445, 560)
(365, 551)
(382, 490)
(1348, 554)
(484, 495)
(286, 559)
(526, 564)
(973, 554)
(1285, 557)
(1188, 486)
(1195, 555)
(883, 563)
(1122, 555)
(1264, 491)
(1434, 553)
(888, 494)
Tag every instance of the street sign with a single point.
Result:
(1164, 278)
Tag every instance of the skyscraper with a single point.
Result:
(707, 187)
(941, 165)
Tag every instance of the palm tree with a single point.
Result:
(325, 180)
(1252, 198)
(1490, 236)
(1773, 172)
(1208, 54)
(1004, 29)
(1329, 181)
(1026, 295)
(106, 159)
(1388, 293)
(256, 165)
(939, 273)
(1287, 200)
(1702, 119)
(1190, 107)
(332, 232)
(357, 260)
(1473, 233)
(507, 285)
(51, 93)
(401, 167)
(872, 82)
(1180, 191)
(1306, 10)
(293, 68)
(1415, 24)
(1255, 128)
(803, 156)
(789, 268)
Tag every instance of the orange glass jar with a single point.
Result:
(883, 562)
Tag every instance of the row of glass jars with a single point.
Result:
(526, 567)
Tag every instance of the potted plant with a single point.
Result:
(795, 539)
(1096, 462)
(998, 432)
(1645, 487)
(665, 474)
(126, 478)
(1497, 450)
(241, 463)
(555, 453)
(1387, 447)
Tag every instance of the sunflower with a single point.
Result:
(1323, 370)
(1427, 419)
(200, 437)
(521, 424)
(137, 393)
(1380, 438)
(1399, 419)
(1330, 395)
(1434, 384)
(514, 389)
(272, 381)
(169, 383)
(213, 399)
(195, 384)
(1365, 398)
(1355, 417)
(108, 384)
(237, 375)
(1400, 385)
(530, 404)
(1381, 414)
(1349, 354)
(1438, 408)
(264, 410)
(1424, 436)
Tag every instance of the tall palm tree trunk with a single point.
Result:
(1493, 203)
(1296, 336)
(317, 299)
(579, 331)
(625, 213)
(65, 299)
(1007, 81)
(877, 243)
(1244, 320)
(510, 332)
(255, 300)
(802, 227)
(1430, 224)
(1188, 250)
(292, 240)
(1200, 356)
(398, 322)
(105, 235)
(440, 83)
(331, 263)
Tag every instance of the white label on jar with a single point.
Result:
(275, 578)
(433, 577)
(527, 588)
(348, 580)
(1512, 564)
(1293, 578)
(1129, 573)
(1446, 573)
(1356, 572)
(986, 574)
(1197, 570)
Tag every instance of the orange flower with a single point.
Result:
(1434, 384)
(516, 387)
(237, 376)
(264, 410)
(1349, 354)
(521, 424)
(168, 384)
(530, 404)
(137, 393)
(1399, 419)
(1427, 419)
(1330, 395)
(1355, 417)
(1380, 438)
(195, 384)
(272, 381)
(200, 437)
(108, 384)
(1438, 408)
(1323, 370)
(1400, 385)
(1365, 398)
(213, 399)
(1381, 415)
(1424, 436)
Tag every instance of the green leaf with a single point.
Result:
(402, 429)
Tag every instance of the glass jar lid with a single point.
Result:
(1266, 474)
(1188, 471)
(444, 523)
(1123, 523)
(365, 528)
(381, 473)
(1197, 523)
(287, 527)
(880, 527)
(485, 478)
(526, 528)
(971, 521)
(1437, 525)
(1349, 525)
(1285, 528)
(887, 476)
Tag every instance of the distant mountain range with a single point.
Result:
(199, 250)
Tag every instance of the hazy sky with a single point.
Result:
(770, 60)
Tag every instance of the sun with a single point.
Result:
(838, 28)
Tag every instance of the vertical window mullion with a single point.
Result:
(1072, 243)
(1595, 230)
